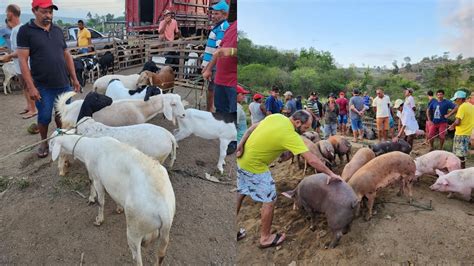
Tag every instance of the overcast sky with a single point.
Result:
(75, 8)
(369, 32)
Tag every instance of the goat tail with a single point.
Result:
(60, 104)
(173, 151)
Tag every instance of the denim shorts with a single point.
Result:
(46, 104)
(342, 119)
(330, 130)
(356, 124)
(260, 187)
(225, 99)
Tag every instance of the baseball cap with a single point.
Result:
(459, 94)
(288, 93)
(397, 103)
(221, 6)
(241, 90)
(257, 96)
(166, 12)
(43, 4)
(409, 89)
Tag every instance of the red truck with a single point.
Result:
(145, 15)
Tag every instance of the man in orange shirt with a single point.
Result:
(168, 27)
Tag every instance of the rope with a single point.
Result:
(29, 147)
(75, 144)
(427, 141)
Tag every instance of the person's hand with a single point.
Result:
(76, 85)
(34, 94)
(395, 139)
(207, 74)
(446, 116)
(240, 151)
(451, 128)
(333, 178)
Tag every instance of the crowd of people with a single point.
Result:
(276, 126)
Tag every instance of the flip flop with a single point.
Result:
(23, 112)
(274, 242)
(42, 153)
(241, 234)
(29, 116)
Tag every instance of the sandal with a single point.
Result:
(43, 152)
(29, 116)
(241, 234)
(274, 242)
(23, 112)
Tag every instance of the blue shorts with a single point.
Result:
(342, 119)
(83, 50)
(46, 104)
(356, 124)
(260, 187)
(225, 99)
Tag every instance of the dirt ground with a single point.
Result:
(45, 220)
(397, 233)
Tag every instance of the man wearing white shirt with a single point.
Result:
(409, 123)
(381, 105)
(13, 16)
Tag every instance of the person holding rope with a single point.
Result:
(220, 12)
(52, 67)
(464, 125)
(436, 118)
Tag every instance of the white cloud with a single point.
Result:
(461, 21)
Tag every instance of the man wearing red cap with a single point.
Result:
(241, 116)
(257, 109)
(52, 69)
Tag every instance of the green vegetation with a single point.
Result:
(3, 183)
(94, 21)
(261, 67)
(23, 183)
(78, 182)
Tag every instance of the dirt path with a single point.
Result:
(397, 233)
(44, 221)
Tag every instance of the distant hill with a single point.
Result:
(26, 17)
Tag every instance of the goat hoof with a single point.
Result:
(98, 221)
(119, 210)
(91, 202)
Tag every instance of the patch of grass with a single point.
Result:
(23, 183)
(78, 182)
(3, 183)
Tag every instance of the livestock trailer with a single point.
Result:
(145, 15)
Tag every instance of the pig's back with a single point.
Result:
(361, 157)
(382, 170)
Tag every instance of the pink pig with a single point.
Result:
(460, 181)
(436, 160)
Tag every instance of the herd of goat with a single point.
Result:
(125, 156)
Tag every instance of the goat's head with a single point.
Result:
(144, 78)
(173, 107)
(56, 140)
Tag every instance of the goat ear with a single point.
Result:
(56, 150)
(167, 109)
(289, 194)
(439, 172)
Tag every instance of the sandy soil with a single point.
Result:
(397, 233)
(43, 220)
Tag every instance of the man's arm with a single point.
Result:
(456, 123)
(161, 27)
(23, 55)
(428, 118)
(453, 111)
(72, 71)
(240, 147)
(317, 164)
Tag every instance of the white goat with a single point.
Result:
(123, 112)
(191, 64)
(117, 91)
(130, 82)
(133, 180)
(152, 140)
(204, 125)
(9, 73)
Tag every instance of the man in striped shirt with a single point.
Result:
(220, 12)
(316, 109)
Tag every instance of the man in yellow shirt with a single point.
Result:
(464, 125)
(83, 37)
(261, 144)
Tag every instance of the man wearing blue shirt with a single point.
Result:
(271, 104)
(220, 11)
(5, 35)
(437, 121)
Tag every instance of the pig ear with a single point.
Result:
(439, 173)
(289, 194)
